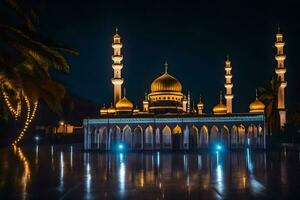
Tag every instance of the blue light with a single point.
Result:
(120, 146)
(248, 141)
(219, 147)
(36, 138)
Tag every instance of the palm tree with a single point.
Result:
(269, 96)
(25, 60)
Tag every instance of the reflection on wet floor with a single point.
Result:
(65, 172)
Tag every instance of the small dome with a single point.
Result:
(257, 106)
(103, 110)
(166, 82)
(111, 110)
(200, 103)
(124, 105)
(220, 109)
(136, 110)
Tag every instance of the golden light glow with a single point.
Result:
(26, 173)
(124, 105)
(220, 108)
(166, 82)
(117, 66)
(15, 112)
(257, 107)
(29, 117)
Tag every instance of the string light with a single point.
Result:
(15, 112)
(29, 118)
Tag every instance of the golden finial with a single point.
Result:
(166, 67)
(145, 96)
(278, 28)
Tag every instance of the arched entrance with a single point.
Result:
(115, 137)
(127, 137)
(177, 139)
(252, 136)
(193, 138)
(148, 144)
(225, 136)
(214, 135)
(241, 135)
(138, 138)
(204, 137)
(166, 138)
(103, 138)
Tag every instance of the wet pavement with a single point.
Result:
(65, 172)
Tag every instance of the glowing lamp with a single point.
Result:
(120, 147)
(219, 147)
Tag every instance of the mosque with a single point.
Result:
(168, 121)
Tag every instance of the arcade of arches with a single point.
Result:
(184, 137)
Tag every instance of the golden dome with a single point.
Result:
(136, 110)
(166, 82)
(111, 110)
(200, 103)
(103, 110)
(220, 109)
(257, 106)
(124, 105)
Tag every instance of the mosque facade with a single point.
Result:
(167, 120)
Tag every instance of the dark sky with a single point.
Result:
(193, 36)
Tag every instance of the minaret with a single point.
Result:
(117, 66)
(188, 102)
(228, 85)
(200, 106)
(280, 71)
(146, 103)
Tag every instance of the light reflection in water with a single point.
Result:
(37, 154)
(219, 174)
(61, 177)
(25, 179)
(199, 162)
(71, 156)
(255, 185)
(158, 159)
(88, 176)
(185, 163)
(52, 159)
(216, 173)
(122, 174)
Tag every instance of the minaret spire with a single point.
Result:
(117, 66)
(188, 102)
(166, 67)
(280, 71)
(228, 85)
(221, 97)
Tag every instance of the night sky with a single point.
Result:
(193, 36)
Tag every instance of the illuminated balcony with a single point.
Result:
(228, 85)
(117, 66)
(280, 71)
(117, 59)
(117, 81)
(117, 45)
(280, 57)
